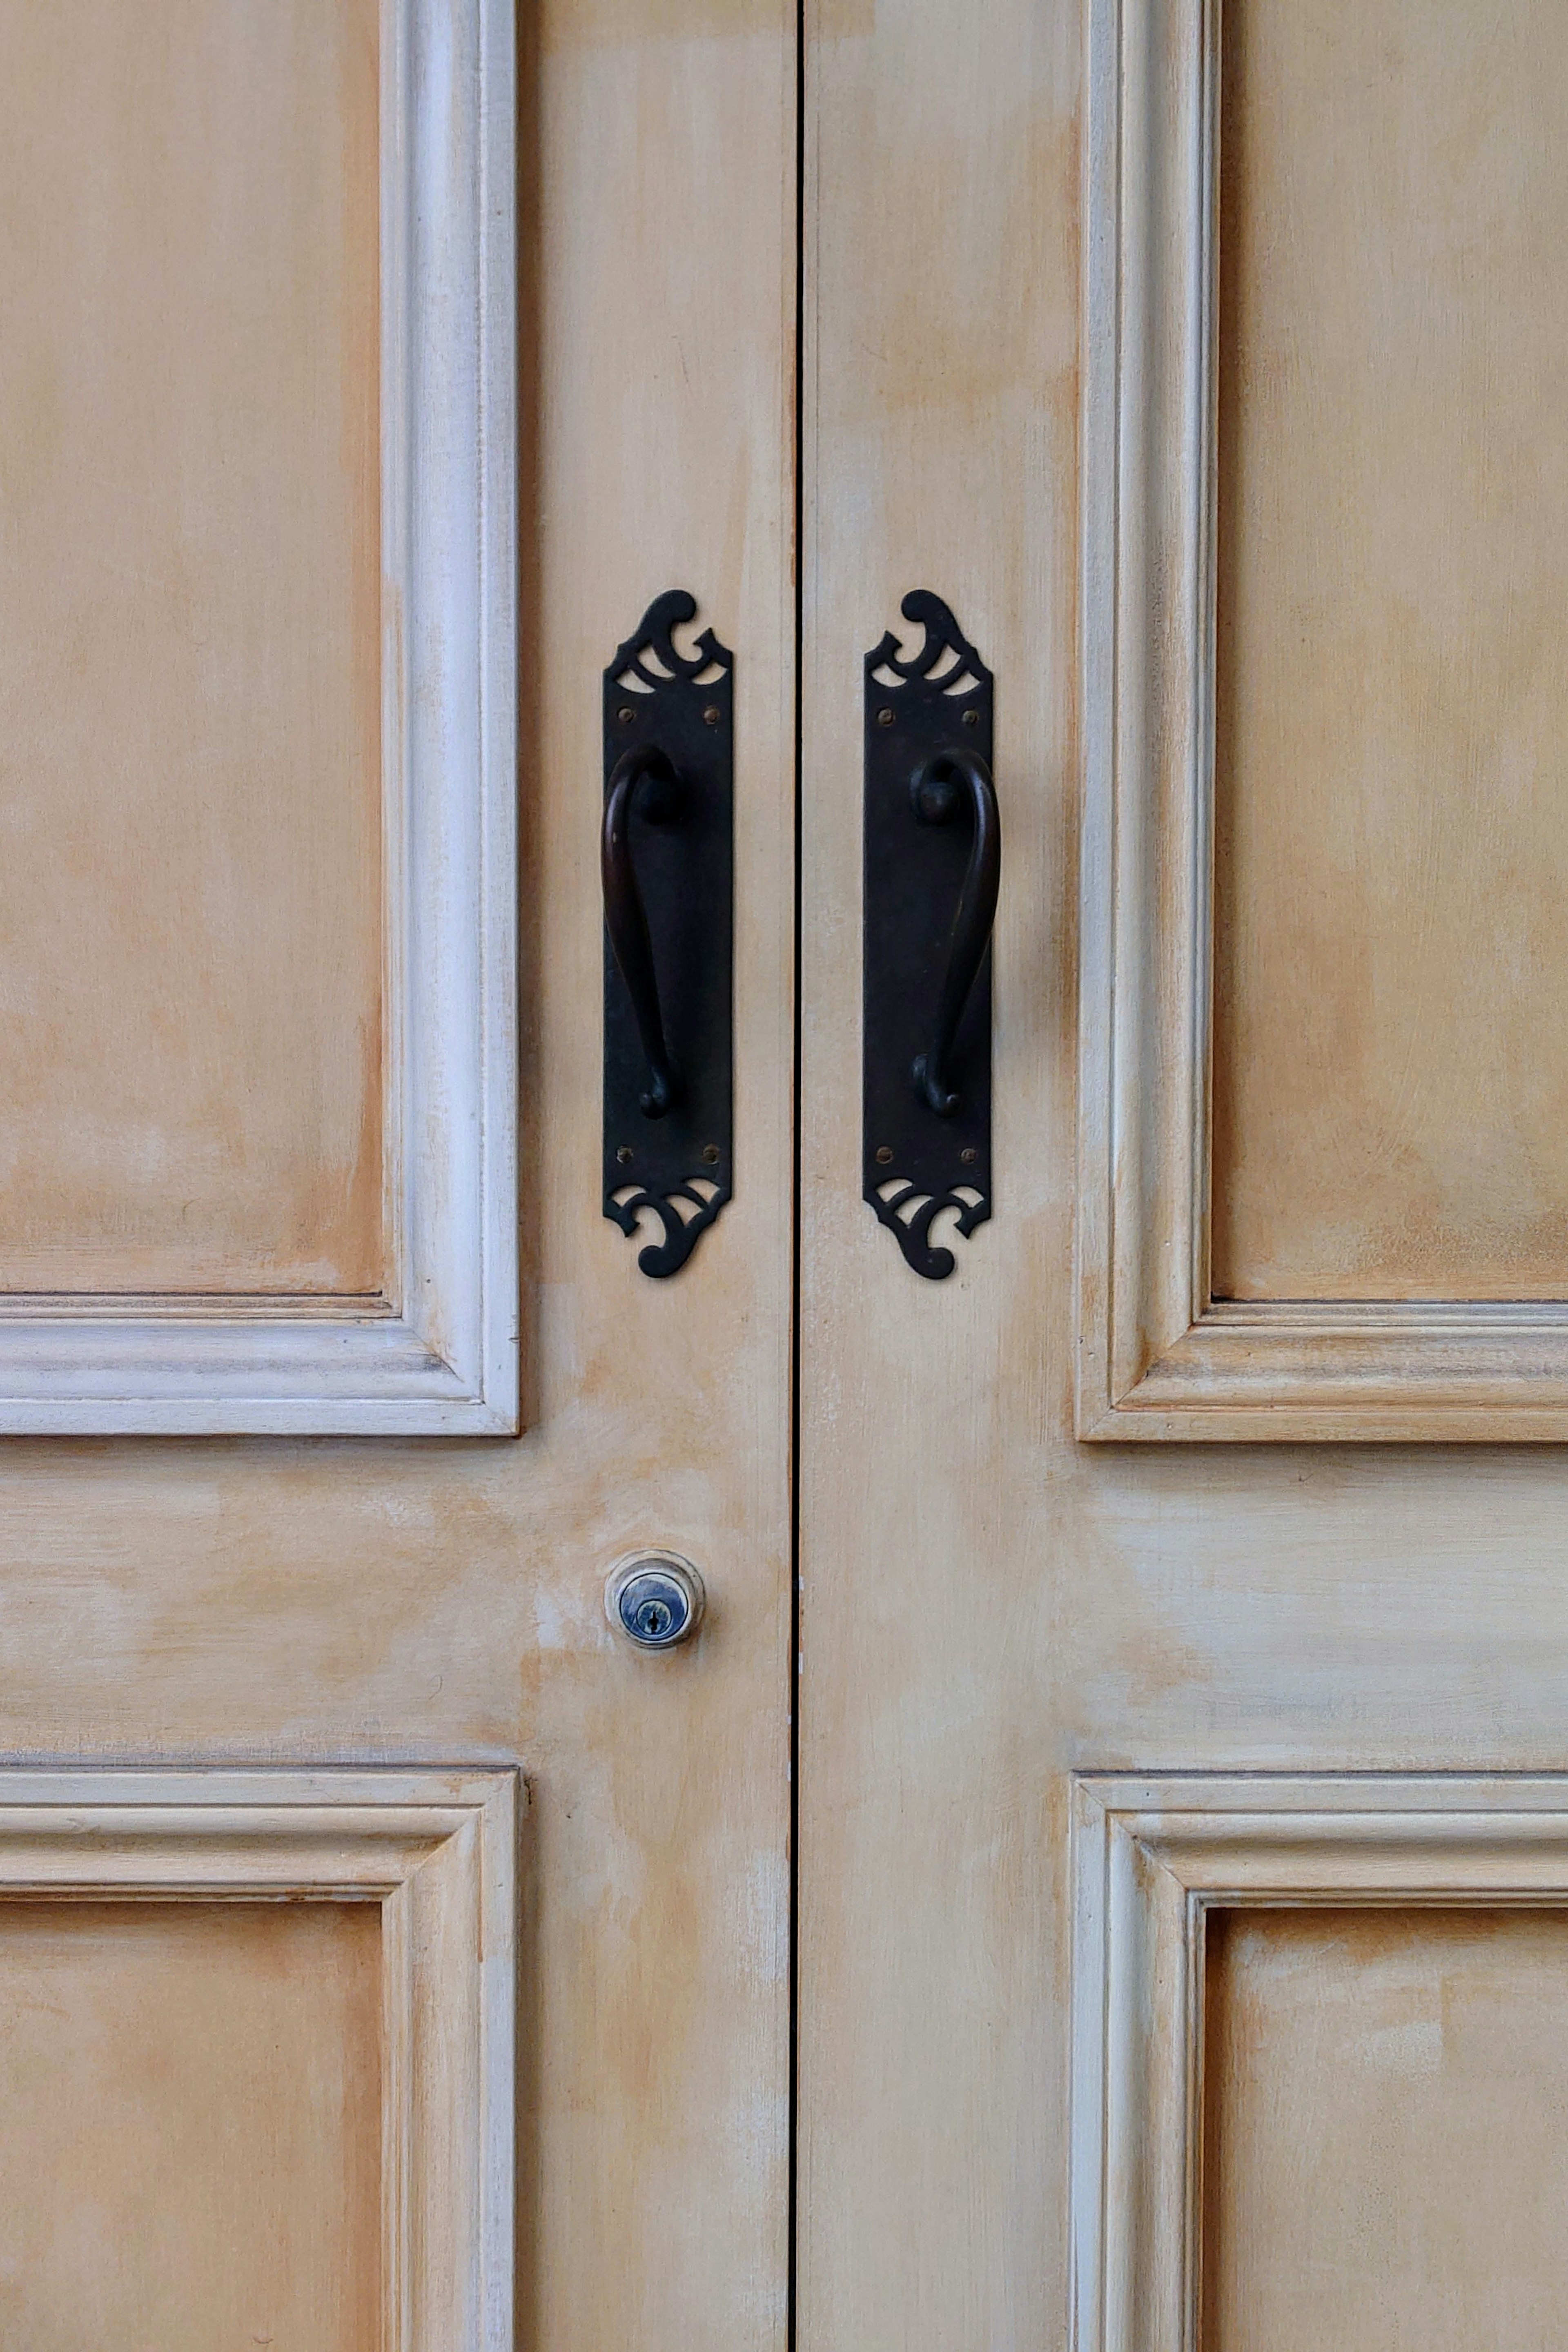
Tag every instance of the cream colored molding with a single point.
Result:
(436, 1852)
(1157, 1359)
(439, 1354)
(1151, 1857)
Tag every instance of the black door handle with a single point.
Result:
(624, 919)
(931, 884)
(936, 797)
(667, 859)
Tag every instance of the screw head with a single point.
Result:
(624, 1155)
(625, 714)
(710, 1154)
(712, 715)
(884, 1154)
(969, 1155)
(972, 718)
(884, 717)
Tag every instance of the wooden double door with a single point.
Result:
(1096, 1876)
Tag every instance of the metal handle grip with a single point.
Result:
(935, 790)
(624, 919)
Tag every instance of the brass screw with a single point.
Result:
(711, 716)
(969, 1155)
(625, 714)
(972, 718)
(884, 1154)
(884, 717)
(711, 1153)
(624, 1155)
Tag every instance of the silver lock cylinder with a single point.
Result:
(655, 1598)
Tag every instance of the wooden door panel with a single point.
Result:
(260, 2031)
(1384, 2152)
(942, 387)
(258, 1161)
(186, 2089)
(1322, 1190)
(1390, 922)
(190, 694)
(1317, 2078)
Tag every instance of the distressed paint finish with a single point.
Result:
(988, 1604)
(1384, 2094)
(1164, 1353)
(1231, 1932)
(191, 1052)
(419, 319)
(325, 1599)
(940, 448)
(1391, 1081)
(412, 2105)
(228, 2060)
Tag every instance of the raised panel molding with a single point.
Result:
(436, 1852)
(438, 1355)
(1157, 1358)
(1152, 1856)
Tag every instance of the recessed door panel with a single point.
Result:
(191, 947)
(1385, 2149)
(187, 2090)
(1391, 914)
(1322, 1190)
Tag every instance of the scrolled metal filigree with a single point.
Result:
(911, 1229)
(681, 1235)
(667, 862)
(931, 882)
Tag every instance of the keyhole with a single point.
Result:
(655, 1599)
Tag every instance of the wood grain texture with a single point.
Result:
(1351, 1884)
(988, 1606)
(1385, 2128)
(191, 987)
(318, 1598)
(660, 326)
(1162, 1354)
(940, 438)
(1391, 913)
(186, 2088)
(424, 2254)
(423, 129)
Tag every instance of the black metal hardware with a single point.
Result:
(624, 919)
(936, 802)
(666, 858)
(930, 885)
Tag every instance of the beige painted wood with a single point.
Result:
(1384, 2155)
(990, 1607)
(938, 440)
(1391, 1083)
(191, 1046)
(1254, 1957)
(407, 326)
(417, 2082)
(1163, 1354)
(185, 2089)
(297, 1601)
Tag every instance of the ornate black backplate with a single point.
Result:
(681, 850)
(916, 1162)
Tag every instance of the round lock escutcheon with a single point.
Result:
(655, 1598)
